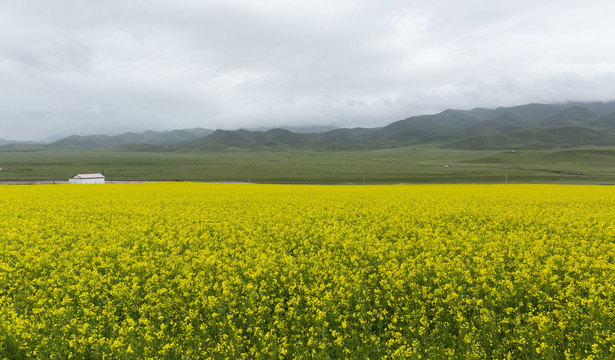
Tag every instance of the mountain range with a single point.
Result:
(531, 126)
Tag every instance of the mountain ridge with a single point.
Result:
(526, 126)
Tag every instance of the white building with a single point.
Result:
(96, 178)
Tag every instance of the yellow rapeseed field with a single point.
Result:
(230, 271)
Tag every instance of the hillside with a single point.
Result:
(148, 137)
(563, 137)
(127, 140)
(9, 142)
(530, 126)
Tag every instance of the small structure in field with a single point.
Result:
(95, 178)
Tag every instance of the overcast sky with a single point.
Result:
(110, 66)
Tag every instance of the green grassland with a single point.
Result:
(573, 143)
(418, 164)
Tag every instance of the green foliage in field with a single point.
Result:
(410, 164)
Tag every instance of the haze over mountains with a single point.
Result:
(531, 126)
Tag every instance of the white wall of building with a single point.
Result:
(86, 181)
(93, 178)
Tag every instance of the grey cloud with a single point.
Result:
(85, 67)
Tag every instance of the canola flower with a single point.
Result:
(218, 271)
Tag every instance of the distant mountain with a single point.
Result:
(282, 139)
(148, 137)
(532, 112)
(602, 108)
(300, 129)
(50, 139)
(344, 139)
(503, 123)
(530, 126)
(274, 139)
(575, 115)
(442, 123)
(308, 129)
(6, 142)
